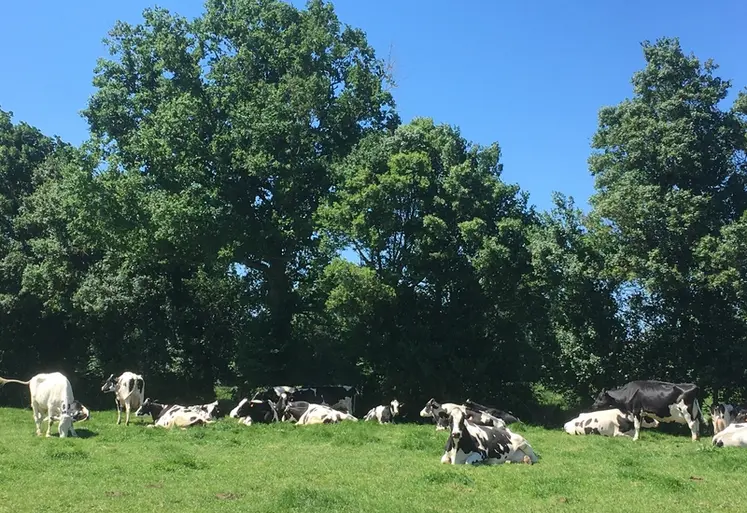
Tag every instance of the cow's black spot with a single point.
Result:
(588, 430)
(588, 421)
(624, 424)
(578, 424)
(131, 385)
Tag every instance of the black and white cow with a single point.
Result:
(262, 411)
(664, 401)
(611, 422)
(469, 443)
(129, 392)
(723, 415)
(384, 414)
(212, 410)
(338, 397)
(734, 435)
(303, 413)
(172, 415)
(505, 416)
(440, 412)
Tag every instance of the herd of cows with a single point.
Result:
(477, 433)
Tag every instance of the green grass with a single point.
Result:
(355, 467)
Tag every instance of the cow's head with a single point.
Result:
(149, 408)
(603, 401)
(78, 412)
(457, 425)
(430, 408)
(741, 416)
(66, 419)
(395, 406)
(110, 385)
(213, 410)
(241, 409)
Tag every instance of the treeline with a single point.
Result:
(196, 235)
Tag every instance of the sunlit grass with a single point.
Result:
(356, 467)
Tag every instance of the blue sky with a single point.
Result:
(530, 75)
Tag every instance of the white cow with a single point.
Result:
(129, 391)
(734, 435)
(52, 399)
(611, 422)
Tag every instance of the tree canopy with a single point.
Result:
(249, 210)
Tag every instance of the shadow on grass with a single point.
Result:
(86, 433)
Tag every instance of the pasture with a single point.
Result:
(353, 467)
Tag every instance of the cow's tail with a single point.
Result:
(697, 412)
(3, 381)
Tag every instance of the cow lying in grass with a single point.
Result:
(172, 415)
(470, 443)
(612, 422)
(735, 435)
(304, 413)
(384, 414)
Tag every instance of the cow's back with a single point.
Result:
(50, 391)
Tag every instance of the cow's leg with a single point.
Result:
(127, 413)
(693, 424)
(49, 424)
(636, 425)
(474, 458)
(37, 419)
(119, 411)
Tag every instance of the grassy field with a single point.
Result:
(356, 467)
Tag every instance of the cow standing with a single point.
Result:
(52, 395)
(129, 391)
(384, 414)
(664, 401)
(469, 443)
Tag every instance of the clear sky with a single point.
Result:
(530, 75)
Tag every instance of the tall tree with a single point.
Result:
(669, 172)
(236, 117)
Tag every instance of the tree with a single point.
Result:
(670, 172)
(231, 123)
(586, 333)
(29, 327)
(440, 298)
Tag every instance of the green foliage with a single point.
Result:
(670, 178)
(197, 237)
